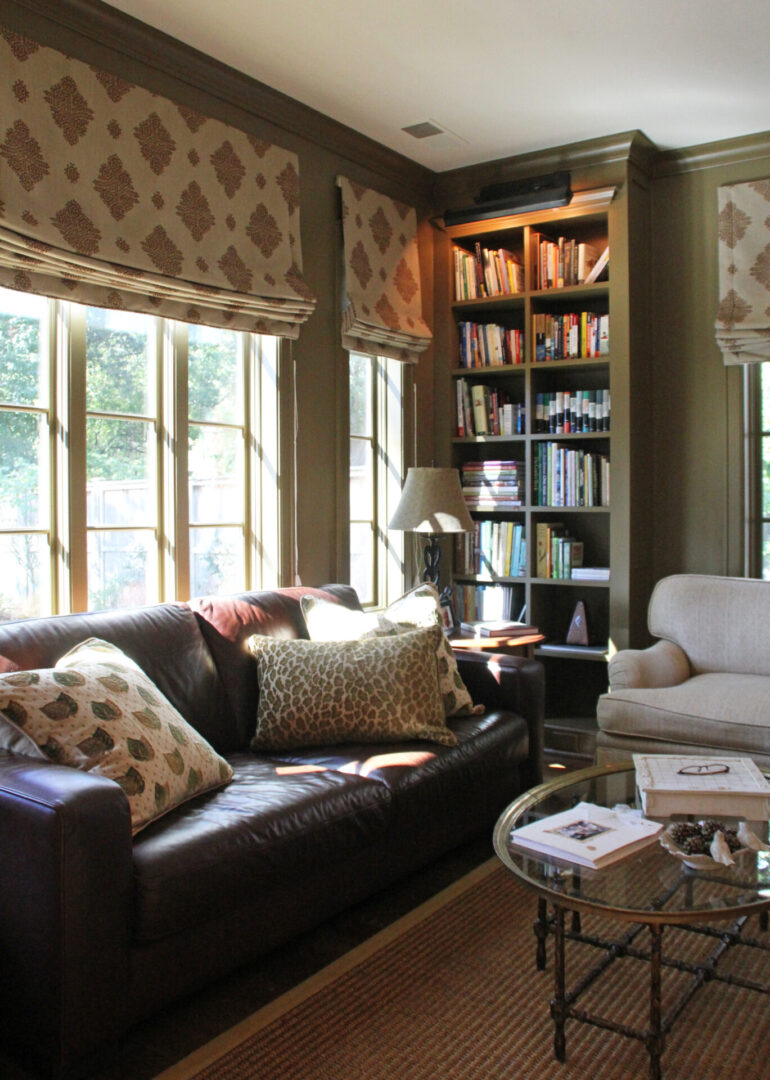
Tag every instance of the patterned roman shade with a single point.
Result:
(112, 195)
(382, 313)
(743, 318)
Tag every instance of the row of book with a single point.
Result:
(557, 552)
(566, 412)
(496, 549)
(486, 272)
(566, 261)
(493, 485)
(489, 345)
(579, 335)
(570, 476)
(484, 602)
(487, 410)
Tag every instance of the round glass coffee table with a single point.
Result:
(649, 888)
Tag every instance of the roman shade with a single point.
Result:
(115, 196)
(382, 310)
(743, 318)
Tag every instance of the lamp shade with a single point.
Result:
(432, 502)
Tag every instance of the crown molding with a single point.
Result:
(712, 155)
(626, 147)
(95, 32)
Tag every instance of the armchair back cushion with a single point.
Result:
(720, 623)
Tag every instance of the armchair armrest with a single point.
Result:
(662, 664)
(65, 896)
(514, 684)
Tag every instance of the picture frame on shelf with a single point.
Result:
(448, 618)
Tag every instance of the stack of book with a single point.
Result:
(565, 261)
(569, 476)
(484, 602)
(486, 410)
(587, 835)
(575, 336)
(486, 272)
(489, 345)
(557, 553)
(590, 573)
(709, 786)
(498, 628)
(565, 412)
(495, 549)
(493, 485)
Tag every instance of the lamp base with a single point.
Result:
(431, 557)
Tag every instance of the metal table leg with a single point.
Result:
(540, 927)
(655, 1039)
(559, 1004)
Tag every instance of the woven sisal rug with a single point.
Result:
(450, 992)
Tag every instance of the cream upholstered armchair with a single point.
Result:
(704, 686)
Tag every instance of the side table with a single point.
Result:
(524, 643)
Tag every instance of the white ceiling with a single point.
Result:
(501, 77)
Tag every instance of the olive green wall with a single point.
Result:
(103, 36)
(695, 402)
(696, 399)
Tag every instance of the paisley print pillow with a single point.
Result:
(382, 689)
(96, 710)
(420, 606)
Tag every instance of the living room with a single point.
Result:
(686, 490)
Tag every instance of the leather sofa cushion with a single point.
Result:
(460, 790)
(275, 821)
(163, 639)
(227, 622)
(97, 711)
(715, 709)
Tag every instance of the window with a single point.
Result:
(376, 391)
(138, 458)
(757, 468)
(763, 471)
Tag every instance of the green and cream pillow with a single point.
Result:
(420, 607)
(97, 711)
(374, 690)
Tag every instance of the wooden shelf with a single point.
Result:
(618, 535)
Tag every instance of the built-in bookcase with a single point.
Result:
(580, 495)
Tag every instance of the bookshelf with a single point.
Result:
(598, 334)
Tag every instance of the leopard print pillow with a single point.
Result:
(382, 689)
(419, 607)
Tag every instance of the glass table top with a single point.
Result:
(648, 885)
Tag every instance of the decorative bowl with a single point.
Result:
(695, 862)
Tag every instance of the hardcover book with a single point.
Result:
(587, 835)
(709, 786)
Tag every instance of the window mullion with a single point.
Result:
(248, 359)
(71, 544)
(175, 517)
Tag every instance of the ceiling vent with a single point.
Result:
(423, 130)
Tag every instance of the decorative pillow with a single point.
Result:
(381, 689)
(96, 710)
(417, 608)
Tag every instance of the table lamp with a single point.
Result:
(432, 503)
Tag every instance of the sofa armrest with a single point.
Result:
(662, 664)
(65, 897)
(515, 684)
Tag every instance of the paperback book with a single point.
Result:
(498, 628)
(704, 785)
(588, 835)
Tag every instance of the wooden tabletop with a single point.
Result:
(469, 641)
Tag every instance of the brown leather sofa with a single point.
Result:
(98, 930)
